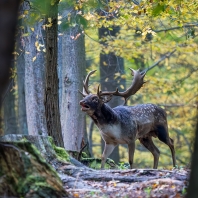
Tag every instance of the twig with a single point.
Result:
(185, 139)
(167, 55)
(177, 27)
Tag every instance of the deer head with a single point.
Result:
(92, 102)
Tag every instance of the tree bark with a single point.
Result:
(109, 65)
(8, 20)
(72, 119)
(34, 82)
(24, 173)
(9, 111)
(51, 88)
(193, 181)
(20, 66)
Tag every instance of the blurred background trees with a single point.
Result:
(109, 36)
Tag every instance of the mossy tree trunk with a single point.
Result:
(25, 173)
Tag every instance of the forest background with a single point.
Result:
(110, 36)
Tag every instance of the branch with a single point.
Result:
(130, 175)
(167, 55)
(185, 139)
(177, 27)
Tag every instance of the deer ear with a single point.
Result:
(107, 98)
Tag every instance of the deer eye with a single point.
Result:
(95, 99)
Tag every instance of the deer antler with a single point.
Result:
(138, 81)
(86, 84)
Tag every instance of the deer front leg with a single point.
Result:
(131, 147)
(107, 151)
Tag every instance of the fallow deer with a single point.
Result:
(126, 124)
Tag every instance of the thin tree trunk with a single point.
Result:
(72, 119)
(8, 20)
(60, 65)
(193, 181)
(109, 65)
(9, 119)
(34, 82)
(51, 88)
(20, 66)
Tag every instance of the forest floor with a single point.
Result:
(78, 180)
(137, 183)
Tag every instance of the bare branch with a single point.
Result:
(167, 55)
(177, 27)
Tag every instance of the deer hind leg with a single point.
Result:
(131, 147)
(148, 143)
(107, 151)
(163, 136)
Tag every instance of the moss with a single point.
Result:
(27, 173)
(60, 152)
(95, 163)
(32, 182)
(84, 155)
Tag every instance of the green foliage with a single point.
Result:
(95, 163)
(123, 165)
(147, 190)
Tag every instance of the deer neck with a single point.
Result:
(104, 115)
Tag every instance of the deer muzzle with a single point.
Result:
(84, 106)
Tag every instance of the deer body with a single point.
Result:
(126, 124)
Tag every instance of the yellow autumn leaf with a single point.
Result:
(117, 74)
(32, 29)
(15, 53)
(60, 17)
(25, 12)
(38, 48)
(34, 58)
(27, 52)
(26, 34)
(49, 20)
(104, 63)
(36, 44)
(48, 25)
(122, 86)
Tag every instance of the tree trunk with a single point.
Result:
(109, 65)
(51, 88)
(8, 20)
(60, 64)
(34, 82)
(73, 70)
(20, 66)
(193, 181)
(9, 111)
(24, 173)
